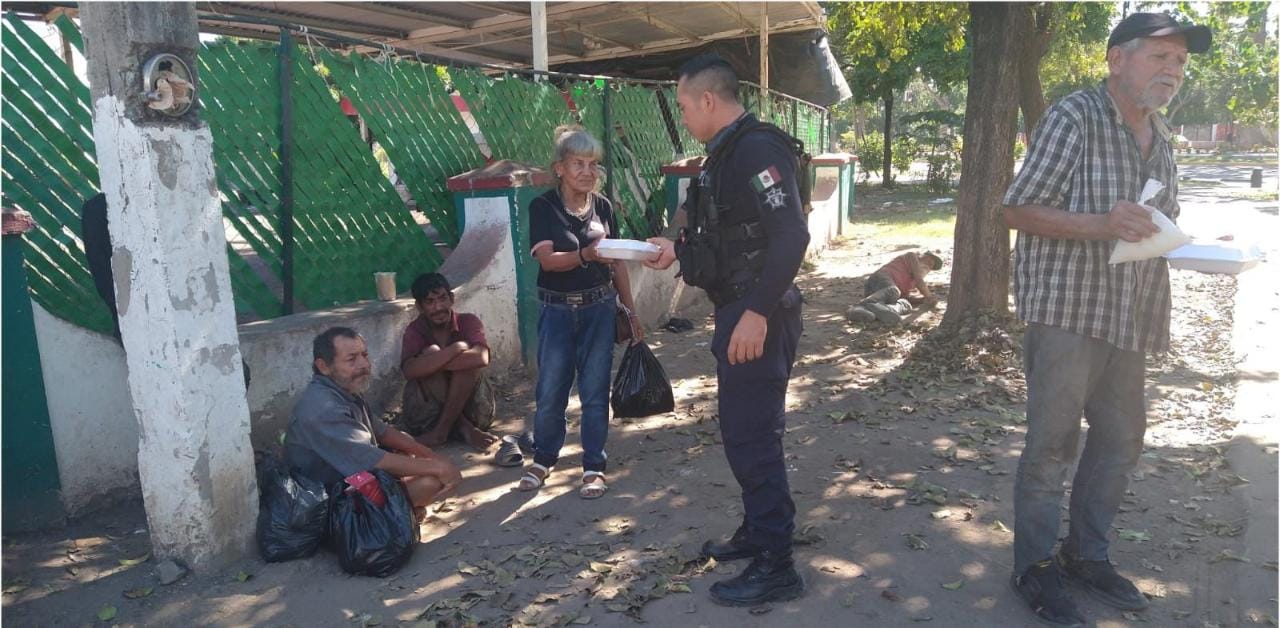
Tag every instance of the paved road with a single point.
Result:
(1252, 454)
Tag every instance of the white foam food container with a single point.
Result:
(1227, 258)
(634, 250)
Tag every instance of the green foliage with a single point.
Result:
(905, 151)
(1235, 81)
(1077, 52)
(885, 45)
(870, 152)
(937, 134)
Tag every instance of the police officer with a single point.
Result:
(744, 242)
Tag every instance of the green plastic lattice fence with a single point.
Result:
(412, 115)
(349, 220)
(49, 169)
(516, 116)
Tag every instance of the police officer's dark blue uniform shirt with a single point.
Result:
(759, 173)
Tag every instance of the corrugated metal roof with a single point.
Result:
(500, 33)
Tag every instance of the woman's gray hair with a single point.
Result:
(573, 140)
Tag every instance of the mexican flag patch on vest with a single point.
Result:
(766, 179)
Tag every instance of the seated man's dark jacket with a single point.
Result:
(331, 433)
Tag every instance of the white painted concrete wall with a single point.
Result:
(824, 223)
(483, 269)
(95, 434)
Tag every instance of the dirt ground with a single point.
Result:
(901, 450)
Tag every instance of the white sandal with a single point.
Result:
(531, 480)
(593, 485)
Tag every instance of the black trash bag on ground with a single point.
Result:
(371, 540)
(293, 513)
(641, 387)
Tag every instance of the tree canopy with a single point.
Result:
(886, 44)
(1235, 81)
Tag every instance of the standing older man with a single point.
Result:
(1090, 324)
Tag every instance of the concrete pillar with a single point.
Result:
(538, 15)
(764, 52)
(173, 290)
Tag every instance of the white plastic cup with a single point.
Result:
(386, 283)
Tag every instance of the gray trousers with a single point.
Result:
(1069, 375)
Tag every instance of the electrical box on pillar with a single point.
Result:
(168, 85)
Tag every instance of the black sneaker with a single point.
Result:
(1100, 579)
(733, 549)
(1041, 588)
(771, 577)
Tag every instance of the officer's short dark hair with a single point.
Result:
(713, 73)
(933, 260)
(322, 348)
(426, 283)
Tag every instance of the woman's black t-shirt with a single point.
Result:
(548, 221)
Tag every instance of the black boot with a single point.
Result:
(1099, 577)
(736, 547)
(771, 577)
(1041, 588)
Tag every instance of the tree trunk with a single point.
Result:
(1030, 90)
(888, 140)
(1030, 94)
(980, 269)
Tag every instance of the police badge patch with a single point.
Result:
(775, 198)
(766, 179)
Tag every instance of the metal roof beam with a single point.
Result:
(676, 44)
(397, 9)
(501, 23)
(447, 53)
(733, 11)
(815, 12)
(336, 25)
(514, 8)
(661, 24)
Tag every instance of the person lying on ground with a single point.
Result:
(445, 359)
(887, 293)
(332, 435)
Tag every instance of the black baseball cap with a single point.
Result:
(1160, 25)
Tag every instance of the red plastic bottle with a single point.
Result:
(368, 485)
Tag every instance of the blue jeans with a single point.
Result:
(574, 340)
(1069, 375)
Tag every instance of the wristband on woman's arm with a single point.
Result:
(582, 260)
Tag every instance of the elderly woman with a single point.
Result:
(579, 291)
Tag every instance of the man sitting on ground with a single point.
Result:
(886, 291)
(333, 436)
(444, 358)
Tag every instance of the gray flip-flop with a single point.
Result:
(509, 453)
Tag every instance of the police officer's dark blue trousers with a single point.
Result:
(752, 421)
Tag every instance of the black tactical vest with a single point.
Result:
(722, 248)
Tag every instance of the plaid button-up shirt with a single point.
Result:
(1083, 159)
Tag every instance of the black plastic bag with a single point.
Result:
(641, 387)
(293, 513)
(371, 540)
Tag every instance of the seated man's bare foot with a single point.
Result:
(478, 439)
(431, 438)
